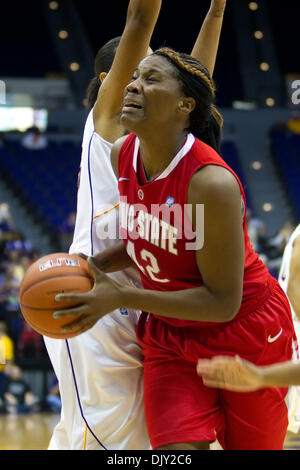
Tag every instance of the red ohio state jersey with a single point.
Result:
(157, 230)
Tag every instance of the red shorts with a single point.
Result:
(179, 408)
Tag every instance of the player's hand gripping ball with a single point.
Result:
(58, 273)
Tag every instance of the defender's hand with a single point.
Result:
(230, 373)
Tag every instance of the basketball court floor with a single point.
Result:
(33, 432)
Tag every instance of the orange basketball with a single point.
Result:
(57, 273)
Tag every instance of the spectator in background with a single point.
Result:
(277, 244)
(281, 239)
(6, 358)
(6, 221)
(18, 255)
(21, 267)
(53, 399)
(29, 342)
(287, 127)
(293, 124)
(34, 139)
(15, 266)
(9, 293)
(6, 347)
(8, 231)
(66, 231)
(256, 231)
(18, 396)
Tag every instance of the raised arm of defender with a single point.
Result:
(134, 45)
(140, 23)
(206, 46)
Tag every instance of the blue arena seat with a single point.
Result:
(48, 177)
(230, 155)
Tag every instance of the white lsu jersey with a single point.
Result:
(293, 396)
(284, 273)
(100, 372)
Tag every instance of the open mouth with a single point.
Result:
(131, 106)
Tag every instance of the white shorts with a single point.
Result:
(100, 378)
(293, 395)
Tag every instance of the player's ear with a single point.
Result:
(186, 105)
(102, 76)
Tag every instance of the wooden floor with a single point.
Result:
(33, 432)
(26, 432)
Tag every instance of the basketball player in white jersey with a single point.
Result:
(289, 279)
(100, 372)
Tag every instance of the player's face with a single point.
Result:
(152, 96)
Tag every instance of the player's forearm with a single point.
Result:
(113, 259)
(197, 304)
(206, 46)
(281, 375)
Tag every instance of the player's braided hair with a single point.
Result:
(103, 63)
(206, 121)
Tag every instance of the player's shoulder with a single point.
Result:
(213, 182)
(204, 153)
(124, 144)
(118, 144)
(296, 242)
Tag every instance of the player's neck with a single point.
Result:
(157, 153)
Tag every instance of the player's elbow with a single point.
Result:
(230, 306)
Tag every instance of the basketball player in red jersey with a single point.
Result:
(92, 418)
(206, 292)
